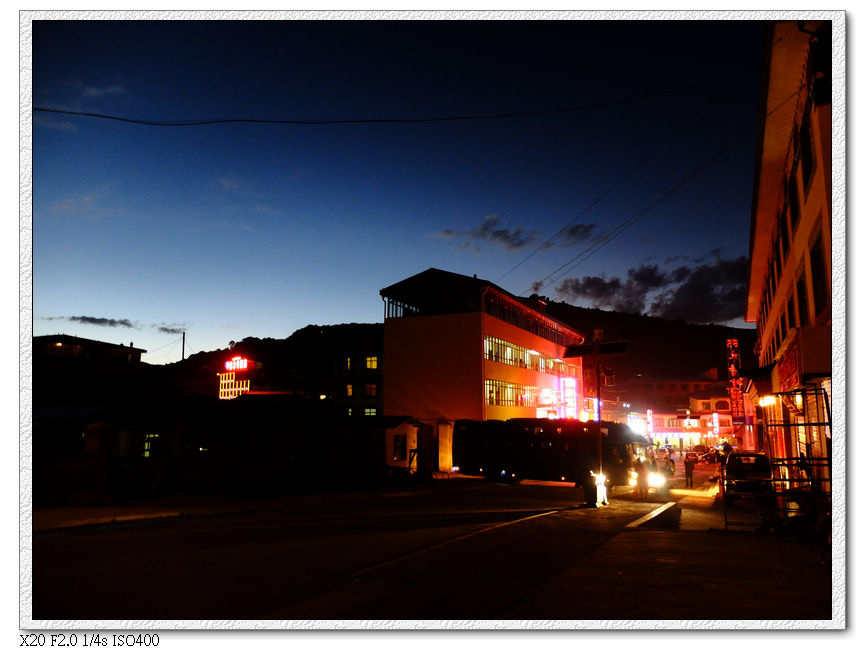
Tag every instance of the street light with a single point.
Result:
(597, 337)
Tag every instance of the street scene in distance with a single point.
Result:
(311, 345)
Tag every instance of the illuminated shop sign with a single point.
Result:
(237, 363)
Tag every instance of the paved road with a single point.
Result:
(460, 551)
(448, 550)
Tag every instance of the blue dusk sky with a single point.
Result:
(605, 163)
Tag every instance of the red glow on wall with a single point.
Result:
(237, 363)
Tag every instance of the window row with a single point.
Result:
(367, 411)
(370, 362)
(502, 393)
(795, 310)
(369, 390)
(516, 355)
(675, 423)
(511, 312)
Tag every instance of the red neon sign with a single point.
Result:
(237, 363)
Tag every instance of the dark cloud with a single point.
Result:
(170, 329)
(489, 231)
(648, 277)
(597, 290)
(680, 274)
(628, 296)
(712, 293)
(579, 232)
(101, 322)
(708, 293)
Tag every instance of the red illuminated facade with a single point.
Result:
(458, 347)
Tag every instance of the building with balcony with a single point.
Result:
(458, 347)
(789, 269)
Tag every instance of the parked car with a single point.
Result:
(747, 474)
(691, 455)
(708, 458)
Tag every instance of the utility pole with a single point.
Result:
(597, 337)
(183, 347)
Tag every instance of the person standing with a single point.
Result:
(689, 472)
(642, 479)
(586, 480)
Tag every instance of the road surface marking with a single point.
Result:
(381, 565)
(651, 515)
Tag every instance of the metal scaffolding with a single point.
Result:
(799, 498)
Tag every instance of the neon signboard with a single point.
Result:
(237, 363)
(569, 397)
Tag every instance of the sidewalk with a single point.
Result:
(696, 571)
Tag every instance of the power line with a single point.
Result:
(165, 356)
(603, 241)
(606, 239)
(601, 196)
(174, 342)
(417, 120)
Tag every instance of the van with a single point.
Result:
(747, 473)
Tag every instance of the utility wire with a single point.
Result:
(603, 194)
(603, 241)
(451, 118)
(164, 346)
(165, 356)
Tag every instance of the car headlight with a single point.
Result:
(657, 480)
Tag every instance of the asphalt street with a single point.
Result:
(450, 550)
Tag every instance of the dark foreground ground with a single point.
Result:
(450, 550)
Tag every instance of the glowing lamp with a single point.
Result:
(767, 400)
(656, 480)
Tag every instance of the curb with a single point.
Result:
(661, 516)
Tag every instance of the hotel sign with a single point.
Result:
(237, 363)
(737, 400)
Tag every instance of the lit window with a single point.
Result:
(348, 363)
(348, 390)
(370, 411)
(370, 390)
(372, 363)
(148, 443)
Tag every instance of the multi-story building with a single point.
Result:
(667, 394)
(458, 347)
(789, 289)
